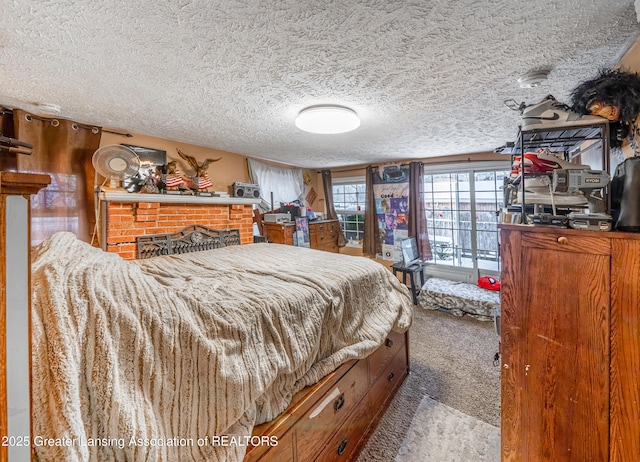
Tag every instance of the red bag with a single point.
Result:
(487, 282)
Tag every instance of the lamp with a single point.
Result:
(327, 119)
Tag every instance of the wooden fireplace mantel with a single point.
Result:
(115, 195)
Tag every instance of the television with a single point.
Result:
(409, 251)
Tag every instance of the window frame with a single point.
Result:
(472, 168)
(342, 213)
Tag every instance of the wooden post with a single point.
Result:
(15, 312)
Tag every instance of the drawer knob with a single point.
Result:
(337, 405)
(391, 376)
(342, 447)
(563, 240)
(389, 343)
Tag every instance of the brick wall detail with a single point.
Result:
(126, 221)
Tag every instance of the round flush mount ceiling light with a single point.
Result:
(327, 119)
(533, 79)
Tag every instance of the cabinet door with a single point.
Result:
(283, 451)
(625, 349)
(555, 345)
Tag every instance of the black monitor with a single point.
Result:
(409, 251)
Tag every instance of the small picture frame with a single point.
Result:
(302, 232)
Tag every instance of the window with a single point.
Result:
(349, 201)
(462, 208)
(58, 208)
(277, 184)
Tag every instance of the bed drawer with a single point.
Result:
(381, 358)
(347, 440)
(322, 420)
(392, 376)
(284, 451)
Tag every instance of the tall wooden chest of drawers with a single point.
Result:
(323, 234)
(570, 345)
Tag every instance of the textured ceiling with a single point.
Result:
(427, 77)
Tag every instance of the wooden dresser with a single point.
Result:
(570, 345)
(323, 234)
(331, 420)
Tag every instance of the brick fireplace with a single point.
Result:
(124, 220)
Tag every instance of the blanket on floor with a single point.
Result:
(459, 298)
(157, 359)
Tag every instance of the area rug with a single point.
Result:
(439, 433)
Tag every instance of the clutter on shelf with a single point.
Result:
(549, 185)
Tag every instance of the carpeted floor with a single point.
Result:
(451, 361)
(440, 433)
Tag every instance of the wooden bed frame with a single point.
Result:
(332, 420)
(335, 416)
(328, 421)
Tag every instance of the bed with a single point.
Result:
(193, 356)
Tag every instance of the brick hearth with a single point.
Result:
(127, 220)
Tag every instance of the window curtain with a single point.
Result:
(286, 184)
(417, 215)
(371, 244)
(63, 150)
(328, 202)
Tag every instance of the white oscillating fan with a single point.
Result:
(116, 163)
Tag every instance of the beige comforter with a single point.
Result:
(155, 360)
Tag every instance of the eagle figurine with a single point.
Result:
(200, 180)
(173, 179)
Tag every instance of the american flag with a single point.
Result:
(202, 182)
(174, 180)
